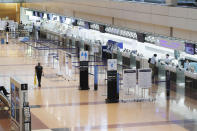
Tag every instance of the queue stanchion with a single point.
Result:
(7, 37)
(95, 77)
(84, 79)
(105, 81)
(112, 82)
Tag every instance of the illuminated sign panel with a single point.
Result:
(171, 44)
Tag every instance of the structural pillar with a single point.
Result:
(171, 2)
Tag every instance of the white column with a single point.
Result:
(171, 2)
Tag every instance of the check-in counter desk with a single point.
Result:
(173, 75)
(52, 35)
(186, 77)
(191, 84)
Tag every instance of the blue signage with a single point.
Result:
(120, 45)
(111, 44)
(85, 55)
(81, 53)
(104, 49)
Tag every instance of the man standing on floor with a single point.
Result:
(39, 72)
(7, 29)
(153, 67)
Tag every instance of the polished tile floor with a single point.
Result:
(60, 106)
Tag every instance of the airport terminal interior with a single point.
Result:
(98, 65)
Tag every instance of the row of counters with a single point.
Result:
(139, 59)
(178, 75)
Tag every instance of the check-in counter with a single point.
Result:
(173, 75)
(181, 76)
(191, 84)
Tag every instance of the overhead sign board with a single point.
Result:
(171, 44)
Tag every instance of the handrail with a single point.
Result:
(4, 99)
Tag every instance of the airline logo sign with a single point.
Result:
(83, 55)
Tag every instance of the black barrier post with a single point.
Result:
(83, 76)
(112, 84)
(83, 80)
(95, 77)
(112, 91)
(7, 37)
(167, 84)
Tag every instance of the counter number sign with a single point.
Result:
(112, 64)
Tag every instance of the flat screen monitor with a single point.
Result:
(55, 18)
(62, 19)
(34, 13)
(74, 22)
(141, 37)
(87, 25)
(102, 28)
(41, 15)
(49, 16)
(190, 48)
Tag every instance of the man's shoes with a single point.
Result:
(7, 94)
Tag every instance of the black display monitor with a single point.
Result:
(141, 37)
(34, 13)
(74, 22)
(40, 14)
(62, 19)
(190, 48)
(49, 16)
(87, 25)
(55, 18)
(102, 28)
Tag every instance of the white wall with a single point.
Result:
(134, 15)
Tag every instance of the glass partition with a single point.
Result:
(161, 71)
(73, 42)
(119, 61)
(132, 61)
(81, 45)
(67, 42)
(73, 46)
(180, 76)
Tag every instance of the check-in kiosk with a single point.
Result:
(112, 84)
(19, 96)
(83, 80)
